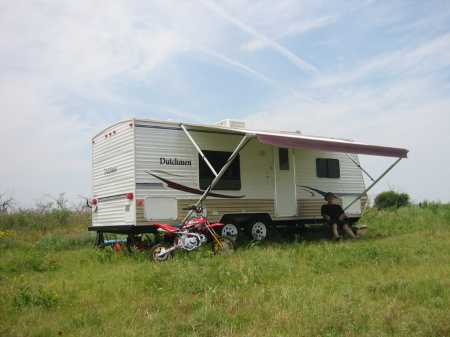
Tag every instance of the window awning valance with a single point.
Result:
(329, 144)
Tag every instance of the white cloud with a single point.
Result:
(428, 58)
(299, 62)
(372, 71)
(255, 45)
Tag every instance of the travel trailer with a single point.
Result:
(146, 171)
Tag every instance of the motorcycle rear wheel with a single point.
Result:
(156, 249)
(228, 245)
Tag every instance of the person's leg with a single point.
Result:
(349, 231)
(335, 230)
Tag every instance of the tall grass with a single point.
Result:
(37, 220)
(393, 282)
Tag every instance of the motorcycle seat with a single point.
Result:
(178, 225)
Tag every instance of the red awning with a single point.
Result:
(334, 145)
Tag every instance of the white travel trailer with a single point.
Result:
(146, 171)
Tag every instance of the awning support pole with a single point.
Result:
(374, 183)
(198, 149)
(241, 145)
(357, 164)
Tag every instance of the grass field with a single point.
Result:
(393, 282)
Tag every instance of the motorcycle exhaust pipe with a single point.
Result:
(165, 251)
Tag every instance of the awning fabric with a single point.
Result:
(299, 141)
(333, 145)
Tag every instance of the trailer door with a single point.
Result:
(285, 193)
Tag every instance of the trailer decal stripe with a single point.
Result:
(150, 185)
(188, 189)
(323, 193)
(113, 197)
(168, 173)
(215, 131)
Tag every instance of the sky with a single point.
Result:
(377, 72)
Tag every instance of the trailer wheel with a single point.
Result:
(256, 228)
(156, 249)
(229, 229)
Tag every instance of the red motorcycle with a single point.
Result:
(189, 236)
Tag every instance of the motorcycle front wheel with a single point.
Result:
(157, 249)
(228, 245)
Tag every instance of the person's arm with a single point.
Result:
(342, 215)
(324, 214)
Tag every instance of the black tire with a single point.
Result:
(157, 249)
(229, 229)
(228, 245)
(256, 228)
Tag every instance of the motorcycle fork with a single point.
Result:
(216, 238)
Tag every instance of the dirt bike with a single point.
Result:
(189, 236)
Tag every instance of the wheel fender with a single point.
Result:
(217, 224)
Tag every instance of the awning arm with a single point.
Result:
(374, 183)
(357, 164)
(241, 145)
(198, 149)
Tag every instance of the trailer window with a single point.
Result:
(231, 179)
(327, 168)
(283, 158)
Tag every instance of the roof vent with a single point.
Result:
(234, 123)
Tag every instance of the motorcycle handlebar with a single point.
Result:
(192, 208)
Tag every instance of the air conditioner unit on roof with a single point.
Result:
(234, 123)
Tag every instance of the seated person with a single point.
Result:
(334, 215)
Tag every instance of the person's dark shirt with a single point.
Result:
(332, 210)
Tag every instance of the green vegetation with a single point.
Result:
(391, 199)
(393, 282)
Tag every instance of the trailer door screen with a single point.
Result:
(231, 179)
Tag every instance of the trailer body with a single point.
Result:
(146, 171)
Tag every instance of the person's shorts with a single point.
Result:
(340, 223)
